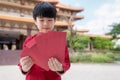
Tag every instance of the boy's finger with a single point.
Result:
(23, 58)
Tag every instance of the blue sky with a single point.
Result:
(99, 14)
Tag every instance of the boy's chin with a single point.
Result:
(46, 31)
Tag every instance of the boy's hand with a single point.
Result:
(55, 65)
(26, 63)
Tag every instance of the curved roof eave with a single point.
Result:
(63, 6)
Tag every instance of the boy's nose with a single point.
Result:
(45, 23)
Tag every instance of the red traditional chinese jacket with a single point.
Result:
(37, 73)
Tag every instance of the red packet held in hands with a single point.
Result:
(45, 46)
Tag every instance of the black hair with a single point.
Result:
(44, 9)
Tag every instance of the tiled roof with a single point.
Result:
(76, 17)
(82, 30)
(61, 5)
(27, 20)
(103, 36)
(51, 1)
(20, 19)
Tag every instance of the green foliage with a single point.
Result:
(101, 59)
(94, 58)
(110, 55)
(115, 29)
(103, 43)
(85, 58)
(78, 42)
(117, 58)
(117, 48)
(80, 58)
(68, 36)
(74, 59)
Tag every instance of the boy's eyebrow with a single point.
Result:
(48, 18)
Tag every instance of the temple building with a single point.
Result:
(16, 21)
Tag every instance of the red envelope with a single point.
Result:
(45, 46)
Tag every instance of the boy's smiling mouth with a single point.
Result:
(46, 28)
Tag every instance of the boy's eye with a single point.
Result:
(41, 20)
(50, 20)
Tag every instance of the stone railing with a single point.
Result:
(9, 57)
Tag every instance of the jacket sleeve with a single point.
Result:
(24, 45)
(66, 64)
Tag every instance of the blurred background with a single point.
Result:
(93, 36)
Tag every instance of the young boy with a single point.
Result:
(44, 15)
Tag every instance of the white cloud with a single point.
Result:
(106, 15)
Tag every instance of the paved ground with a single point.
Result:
(77, 72)
(93, 72)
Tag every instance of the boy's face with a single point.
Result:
(45, 24)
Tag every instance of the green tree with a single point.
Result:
(103, 43)
(115, 29)
(78, 42)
